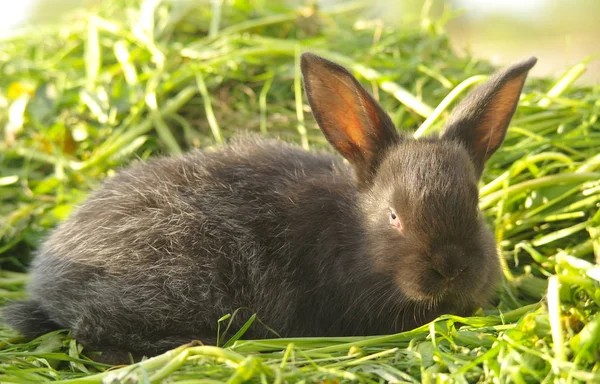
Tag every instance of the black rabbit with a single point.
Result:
(314, 246)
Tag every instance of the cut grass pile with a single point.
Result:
(85, 98)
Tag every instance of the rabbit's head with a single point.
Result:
(419, 198)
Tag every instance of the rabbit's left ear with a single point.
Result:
(481, 120)
(352, 121)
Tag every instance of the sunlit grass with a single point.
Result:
(83, 99)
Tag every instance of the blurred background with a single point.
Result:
(560, 33)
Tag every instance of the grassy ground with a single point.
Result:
(80, 100)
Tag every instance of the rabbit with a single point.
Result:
(314, 245)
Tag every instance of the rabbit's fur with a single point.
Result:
(314, 246)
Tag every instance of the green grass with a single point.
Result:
(83, 99)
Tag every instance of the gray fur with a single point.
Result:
(162, 250)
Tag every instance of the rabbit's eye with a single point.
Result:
(395, 220)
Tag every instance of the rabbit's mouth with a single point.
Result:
(450, 303)
(426, 308)
(447, 295)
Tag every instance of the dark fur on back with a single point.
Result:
(177, 243)
(158, 254)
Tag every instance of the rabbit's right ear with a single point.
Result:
(351, 120)
(480, 121)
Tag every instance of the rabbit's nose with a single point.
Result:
(449, 272)
(455, 272)
(448, 262)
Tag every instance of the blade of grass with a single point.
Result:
(299, 103)
(210, 115)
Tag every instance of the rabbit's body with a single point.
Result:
(237, 228)
(313, 246)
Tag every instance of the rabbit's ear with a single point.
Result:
(352, 121)
(480, 121)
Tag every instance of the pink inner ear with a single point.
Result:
(345, 109)
(490, 132)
